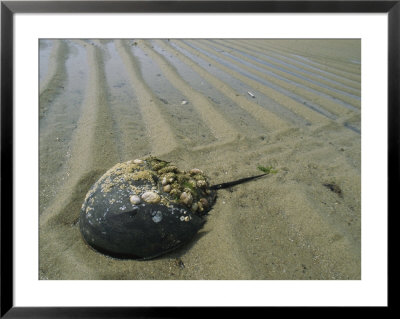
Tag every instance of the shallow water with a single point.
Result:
(260, 80)
(222, 103)
(318, 83)
(286, 66)
(45, 47)
(242, 88)
(189, 128)
(57, 127)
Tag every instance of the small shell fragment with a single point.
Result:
(157, 217)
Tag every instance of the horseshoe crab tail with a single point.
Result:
(233, 183)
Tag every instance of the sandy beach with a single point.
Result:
(225, 107)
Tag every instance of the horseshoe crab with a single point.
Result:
(144, 208)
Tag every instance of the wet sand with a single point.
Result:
(109, 101)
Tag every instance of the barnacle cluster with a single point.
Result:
(189, 188)
(151, 180)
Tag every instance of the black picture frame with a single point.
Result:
(9, 8)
